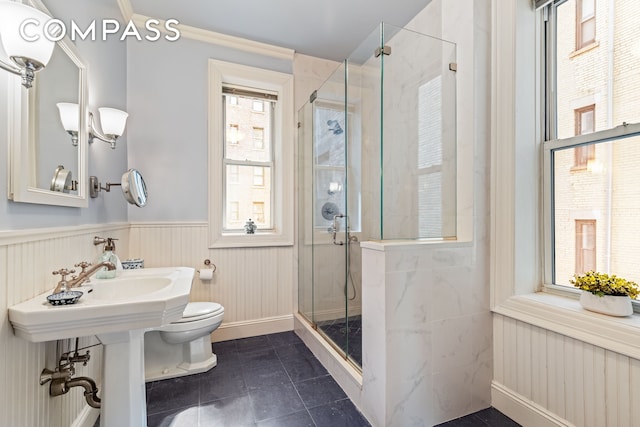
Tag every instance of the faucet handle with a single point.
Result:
(63, 272)
(83, 265)
(62, 285)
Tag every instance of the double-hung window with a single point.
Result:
(250, 156)
(592, 140)
(248, 166)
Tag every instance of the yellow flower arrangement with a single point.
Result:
(602, 284)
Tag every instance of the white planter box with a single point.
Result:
(608, 304)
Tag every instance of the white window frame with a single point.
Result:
(226, 73)
(516, 238)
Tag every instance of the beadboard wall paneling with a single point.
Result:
(251, 283)
(569, 381)
(27, 258)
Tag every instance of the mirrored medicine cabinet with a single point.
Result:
(44, 165)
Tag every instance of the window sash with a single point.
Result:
(270, 99)
(549, 147)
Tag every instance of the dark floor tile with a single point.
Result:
(293, 351)
(253, 343)
(304, 368)
(284, 338)
(275, 401)
(338, 414)
(224, 347)
(183, 417)
(256, 377)
(220, 384)
(468, 421)
(299, 419)
(232, 411)
(495, 418)
(319, 391)
(258, 357)
(173, 394)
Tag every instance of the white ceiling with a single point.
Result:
(329, 29)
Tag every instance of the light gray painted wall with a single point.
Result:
(107, 87)
(168, 102)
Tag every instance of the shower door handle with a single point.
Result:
(335, 229)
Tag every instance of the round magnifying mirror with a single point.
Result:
(134, 188)
(61, 180)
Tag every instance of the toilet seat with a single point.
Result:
(199, 310)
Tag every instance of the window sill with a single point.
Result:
(565, 316)
(241, 240)
(582, 50)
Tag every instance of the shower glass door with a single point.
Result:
(330, 214)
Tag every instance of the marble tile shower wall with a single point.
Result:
(427, 333)
(27, 258)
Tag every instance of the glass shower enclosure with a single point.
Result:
(376, 161)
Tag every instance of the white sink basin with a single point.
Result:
(128, 288)
(136, 299)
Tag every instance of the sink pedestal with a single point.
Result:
(123, 388)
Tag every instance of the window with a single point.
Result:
(585, 23)
(258, 106)
(234, 211)
(585, 246)
(233, 134)
(258, 138)
(233, 174)
(589, 221)
(258, 212)
(242, 176)
(240, 159)
(258, 176)
(584, 119)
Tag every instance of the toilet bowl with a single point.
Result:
(183, 347)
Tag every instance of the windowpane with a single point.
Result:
(258, 106)
(596, 213)
(246, 193)
(584, 125)
(241, 125)
(258, 212)
(258, 138)
(605, 76)
(258, 176)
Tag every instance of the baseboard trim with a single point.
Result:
(87, 417)
(522, 410)
(252, 328)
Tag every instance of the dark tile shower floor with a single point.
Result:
(346, 335)
(267, 381)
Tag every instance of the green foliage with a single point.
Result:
(602, 284)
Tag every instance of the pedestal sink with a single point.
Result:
(117, 311)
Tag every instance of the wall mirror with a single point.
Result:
(44, 166)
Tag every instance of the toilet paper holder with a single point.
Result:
(208, 264)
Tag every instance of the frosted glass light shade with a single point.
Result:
(113, 121)
(69, 116)
(21, 51)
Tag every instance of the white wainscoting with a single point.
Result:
(255, 285)
(542, 378)
(27, 258)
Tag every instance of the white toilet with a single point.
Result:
(184, 346)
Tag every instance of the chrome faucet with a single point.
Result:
(65, 285)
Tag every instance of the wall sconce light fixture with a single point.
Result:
(69, 115)
(29, 51)
(113, 123)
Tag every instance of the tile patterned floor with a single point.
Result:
(346, 333)
(270, 380)
(489, 417)
(267, 381)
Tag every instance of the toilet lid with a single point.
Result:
(199, 309)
